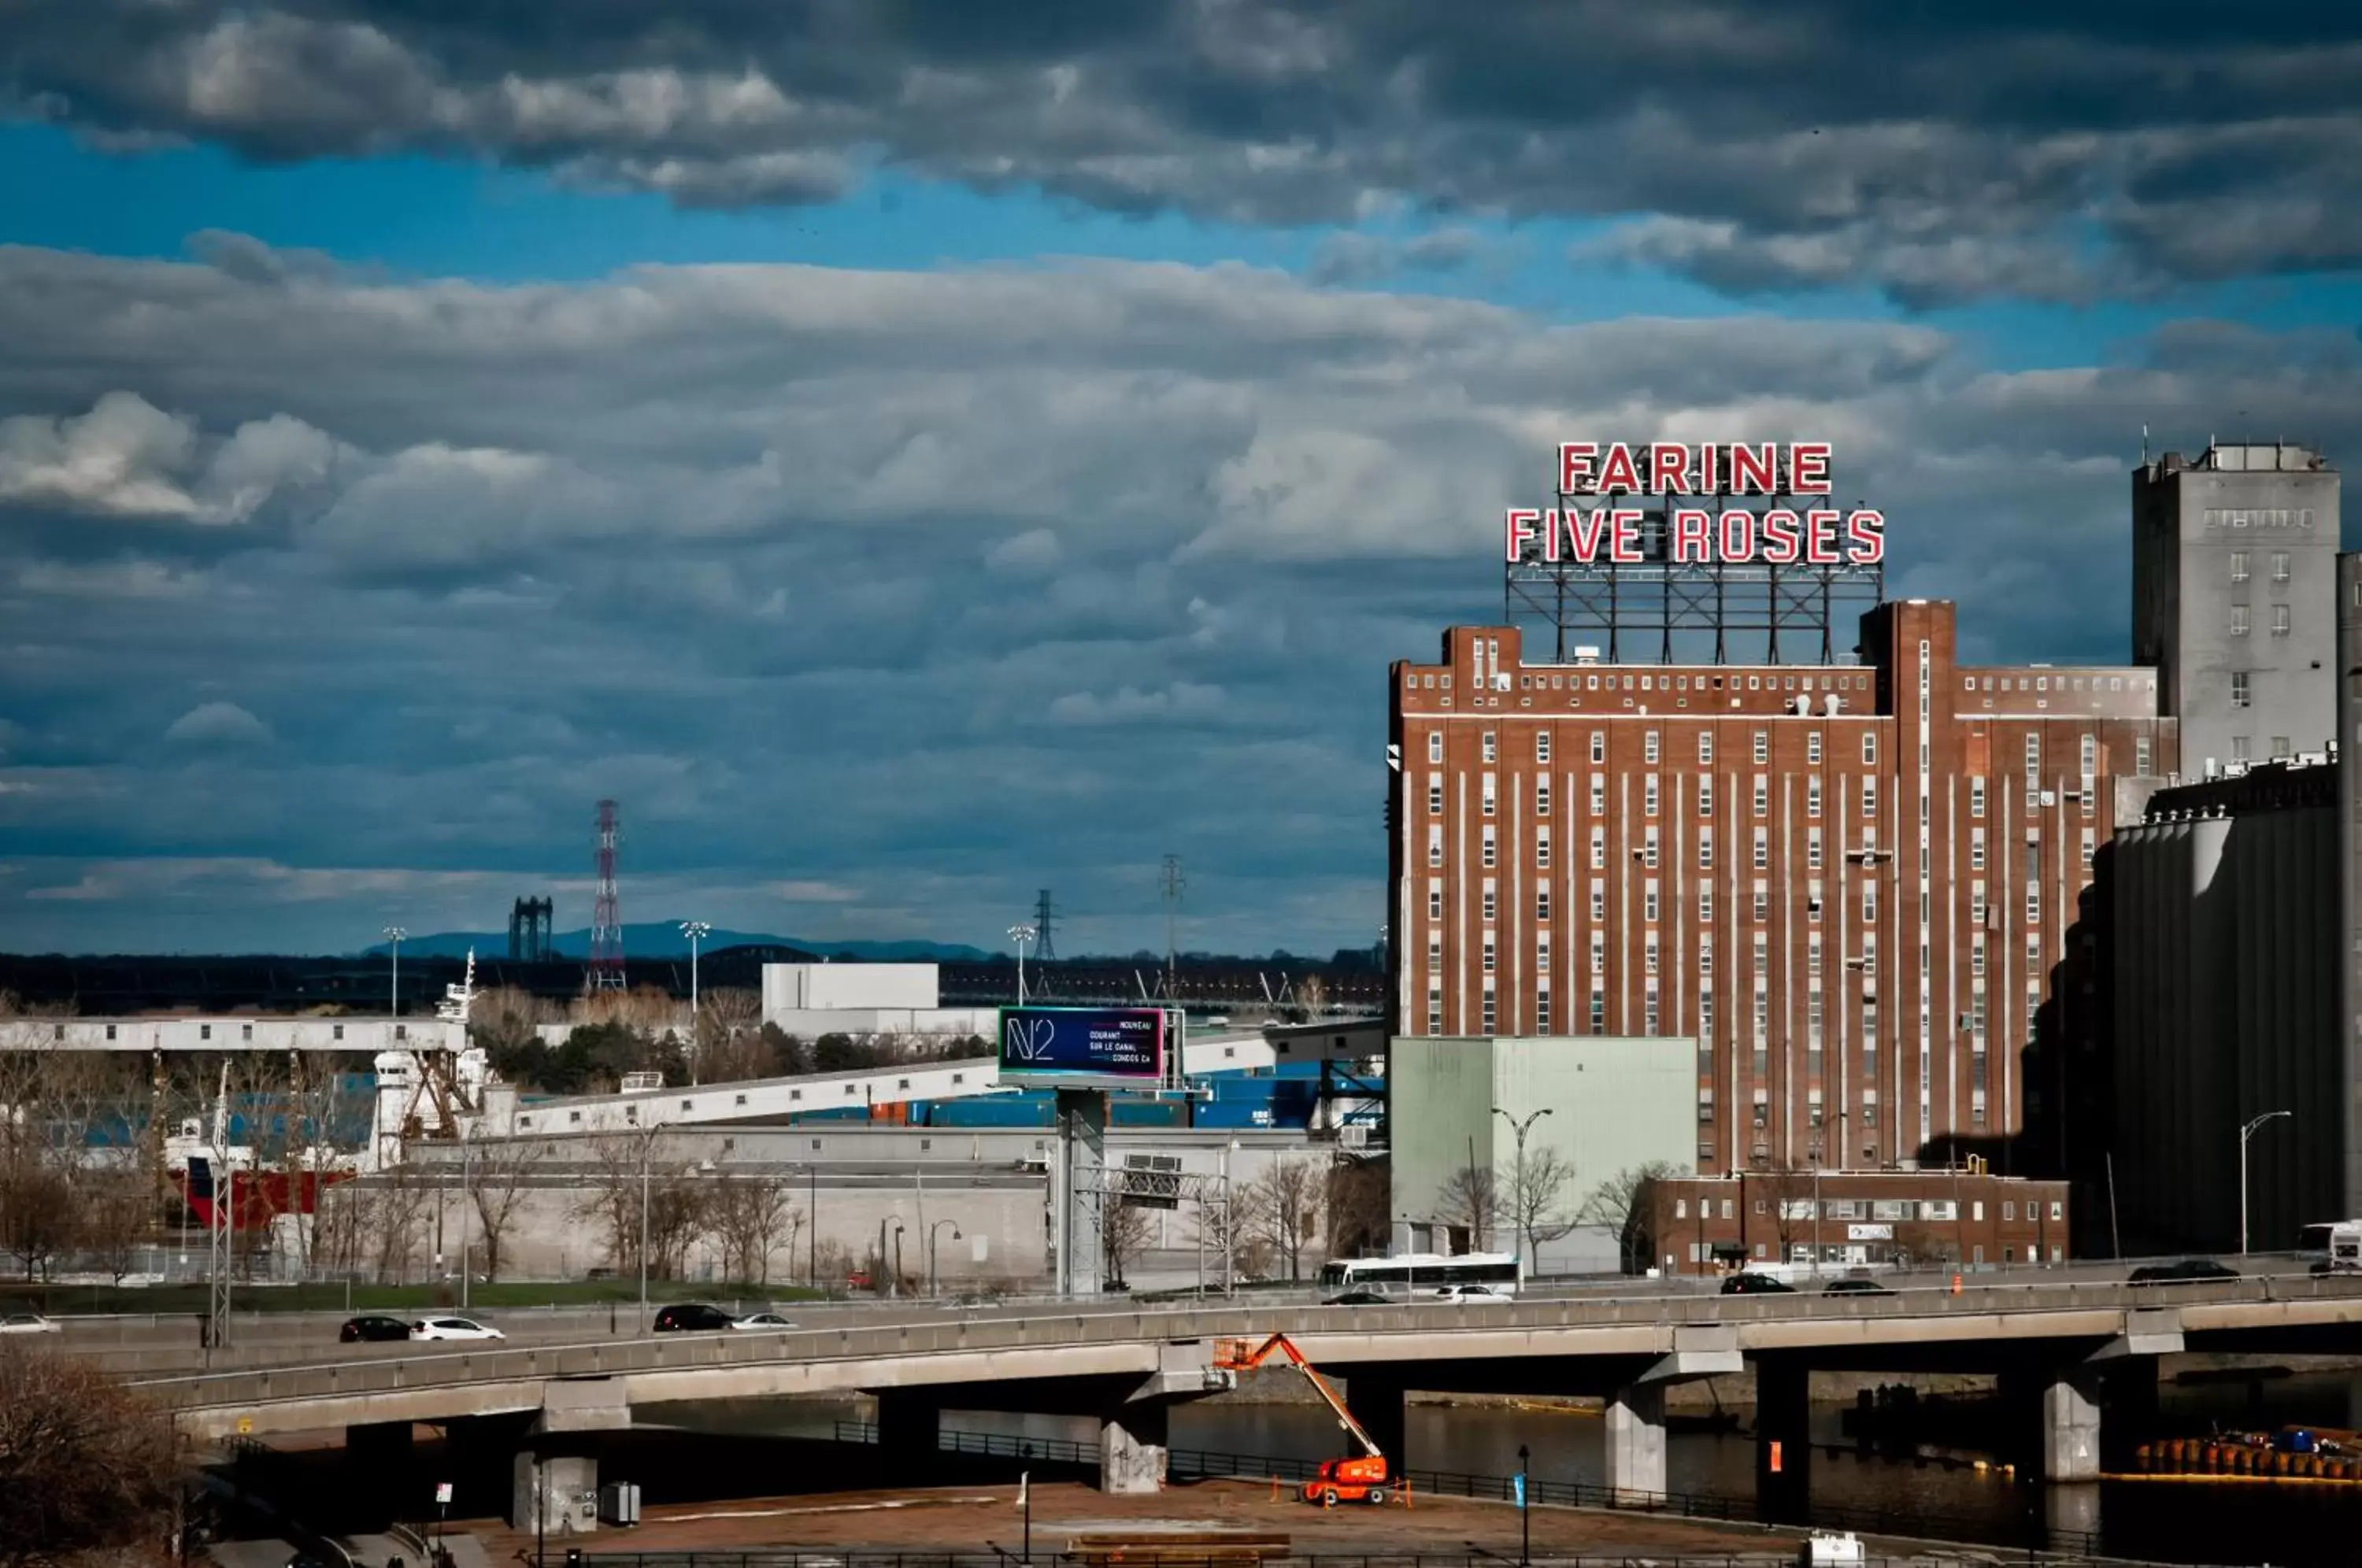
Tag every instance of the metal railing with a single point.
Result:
(1913, 1522)
(1783, 1556)
(1433, 1325)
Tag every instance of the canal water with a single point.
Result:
(2294, 1527)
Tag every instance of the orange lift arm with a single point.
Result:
(1234, 1355)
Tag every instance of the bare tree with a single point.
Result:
(1221, 1229)
(751, 1213)
(40, 1208)
(500, 1174)
(89, 1466)
(385, 1220)
(1124, 1230)
(1470, 1199)
(1790, 1192)
(118, 1216)
(42, 1128)
(1621, 1204)
(730, 1044)
(1538, 1183)
(612, 1196)
(1358, 1198)
(1282, 1207)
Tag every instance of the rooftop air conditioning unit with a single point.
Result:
(1354, 1135)
(642, 1083)
(1586, 655)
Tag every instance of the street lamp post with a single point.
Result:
(696, 931)
(1021, 934)
(466, 1202)
(1525, 1504)
(933, 1230)
(1519, 1176)
(647, 1140)
(394, 934)
(2245, 1133)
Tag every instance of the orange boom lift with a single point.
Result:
(1363, 1480)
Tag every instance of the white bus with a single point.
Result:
(1413, 1274)
(2332, 1248)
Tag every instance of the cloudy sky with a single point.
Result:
(911, 452)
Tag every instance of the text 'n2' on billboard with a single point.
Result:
(1082, 1045)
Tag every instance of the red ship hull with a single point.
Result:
(257, 1198)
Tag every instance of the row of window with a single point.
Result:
(2239, 623)
(1651, 747)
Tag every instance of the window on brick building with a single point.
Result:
(1762, 747)
(1492, 747)
(1541, 745)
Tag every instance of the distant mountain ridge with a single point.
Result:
(662, 939)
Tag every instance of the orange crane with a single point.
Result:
(1365, 1479)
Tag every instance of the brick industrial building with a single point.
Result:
(1852, 883)
(1841, 1219)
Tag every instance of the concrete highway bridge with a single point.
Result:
(2065, 1353)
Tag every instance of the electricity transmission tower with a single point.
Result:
(1044, 915)
(1172, 883)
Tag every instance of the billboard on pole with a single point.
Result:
(1083, 1047)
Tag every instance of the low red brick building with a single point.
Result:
(1848, 1219)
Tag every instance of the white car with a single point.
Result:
(453, 1329)
(1469, 1293)
(761, 1320)
(27, 1323)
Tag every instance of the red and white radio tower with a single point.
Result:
(606, 920)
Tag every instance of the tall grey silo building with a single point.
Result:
(2235, 598)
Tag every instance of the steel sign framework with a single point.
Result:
(1658, 608)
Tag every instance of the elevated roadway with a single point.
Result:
(2063, 1349)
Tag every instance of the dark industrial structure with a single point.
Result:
(529, 931)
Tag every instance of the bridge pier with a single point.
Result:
(910, 1433)
(380, 1461)
(1134, 1445)
(1378, 1404)
(1784, 1446)
(554, 1493)
(1636, 1442)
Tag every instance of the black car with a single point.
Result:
(1356, 1299)
(1756, 1284)
(2181, 1273)
(372, 1327)
(1855, 1288)
(692, 1318)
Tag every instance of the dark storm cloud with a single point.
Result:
(880, 599)
(1936, 152)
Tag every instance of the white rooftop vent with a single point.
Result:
(1586, 655)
